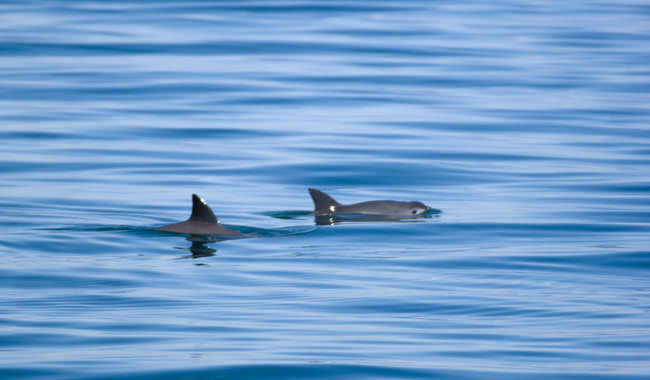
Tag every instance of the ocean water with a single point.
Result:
(526, 125)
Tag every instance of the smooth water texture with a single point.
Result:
(526, 124)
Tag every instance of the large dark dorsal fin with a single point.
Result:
(201, 211)
(323, 203)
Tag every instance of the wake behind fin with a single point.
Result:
(323, 203)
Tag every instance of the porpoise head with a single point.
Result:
(417, 208)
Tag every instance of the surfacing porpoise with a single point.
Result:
(326, 205)
(201, 222)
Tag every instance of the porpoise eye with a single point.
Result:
(414, 211)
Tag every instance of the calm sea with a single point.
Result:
(526, 124)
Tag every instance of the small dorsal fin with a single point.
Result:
(201, 212)
(322, 201)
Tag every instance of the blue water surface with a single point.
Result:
(526, 125)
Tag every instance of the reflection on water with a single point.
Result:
(330, 220)
(199, 244)
(198, 248)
